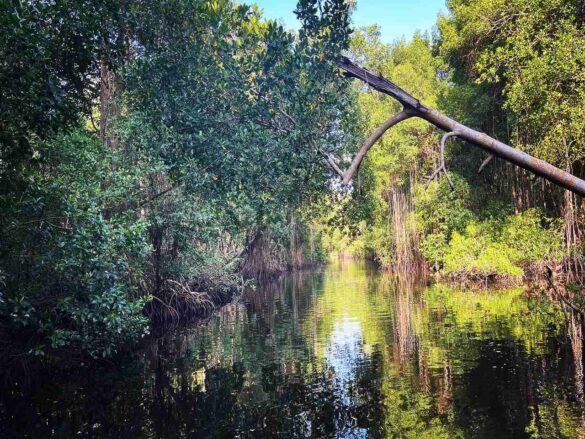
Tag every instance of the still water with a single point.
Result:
(346, 352)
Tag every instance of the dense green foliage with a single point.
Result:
(153, 155)
(149, 151)
(70, 271)
(70, 256)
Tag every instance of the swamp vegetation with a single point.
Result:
(159, 159)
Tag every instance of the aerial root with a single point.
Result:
(442, 167)
(178, 301)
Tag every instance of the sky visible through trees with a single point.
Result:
(396, 18)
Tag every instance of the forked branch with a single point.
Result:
(332, 164)
(413, 107)
(442, 166)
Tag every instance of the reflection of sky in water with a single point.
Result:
(328, 354)
(344, 354)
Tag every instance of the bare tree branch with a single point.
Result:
(442, 166)
(486, 162)
(355, 164)
(492, 146)
(363, 151)
(332, 164)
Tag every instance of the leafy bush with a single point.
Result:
(494, 260)
(500, 246)
(474, 253)
(532, 237)
(440, 212)
(440, 209)
(70, 280)
(460, 239)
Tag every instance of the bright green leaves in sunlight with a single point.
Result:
(532, 53)
(513, 69)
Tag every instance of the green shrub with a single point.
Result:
(497, 246)
(462, 252)
(494, 260)
(532, 236)
(442, 210)
(70, 271)
(433, 248)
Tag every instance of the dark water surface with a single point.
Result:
(347, 352)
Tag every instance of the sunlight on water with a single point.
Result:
(347, 352)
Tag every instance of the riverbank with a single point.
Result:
(177, 304)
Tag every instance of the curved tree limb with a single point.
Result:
(355, 164)
(363, 151)
(492, 146)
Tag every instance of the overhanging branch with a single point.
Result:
(492, 146)
(355, 164)
(363, 151)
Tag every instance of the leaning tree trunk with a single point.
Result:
(412, 107)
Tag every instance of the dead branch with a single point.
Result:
(413, 107)
(486, 162)
(442, 166)
(332, 164)
(370, 141)
(355, 164)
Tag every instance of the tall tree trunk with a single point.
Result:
(109, 107)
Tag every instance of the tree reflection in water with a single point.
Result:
(348, 352)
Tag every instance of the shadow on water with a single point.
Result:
(346, 352)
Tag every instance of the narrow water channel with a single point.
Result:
(345, 352)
